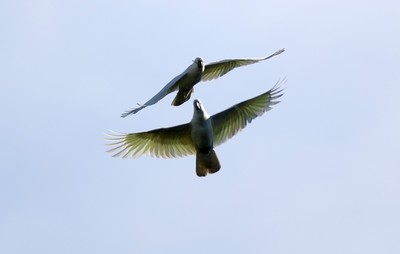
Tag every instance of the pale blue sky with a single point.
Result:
(317, 174)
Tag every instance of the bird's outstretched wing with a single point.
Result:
(172, 86)
(165, 142)
(229, 122)
(218, 69)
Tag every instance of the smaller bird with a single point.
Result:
(200, 136)
(195, 73)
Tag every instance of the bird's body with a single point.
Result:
(203, 139)
(184, 85)
(201, 127)
(199, 136)
(194, 73)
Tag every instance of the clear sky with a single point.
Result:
(317, 174)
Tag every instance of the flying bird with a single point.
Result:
(200, 136)
(195, 73)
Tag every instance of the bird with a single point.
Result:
(196, 72)
(198, 137)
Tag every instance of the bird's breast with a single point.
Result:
(191, 78)
(202, 134)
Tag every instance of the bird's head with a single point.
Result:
(199, 111)
(199, 62)
(198, 106)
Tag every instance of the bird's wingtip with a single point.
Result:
(133, 111)
(278, 52)
(277, 91)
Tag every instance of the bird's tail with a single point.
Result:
(182, 96)
(207, 163)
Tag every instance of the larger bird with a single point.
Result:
(199, 136)
(195, 73)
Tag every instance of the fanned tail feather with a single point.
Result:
(207, 163)
(182, 96)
